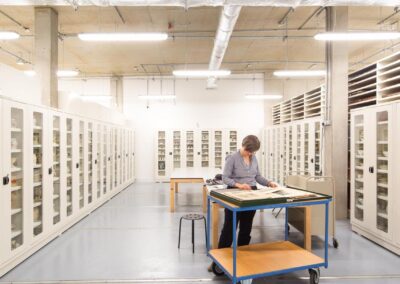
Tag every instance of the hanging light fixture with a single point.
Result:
(8, 35)
(67, 73)
(118, 37)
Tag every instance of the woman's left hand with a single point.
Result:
(272, 184)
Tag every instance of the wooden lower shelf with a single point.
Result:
(265, 258)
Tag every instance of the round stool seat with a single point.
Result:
(193, 216)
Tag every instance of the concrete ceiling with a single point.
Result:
(257, 38)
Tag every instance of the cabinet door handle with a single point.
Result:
(281, 156)
(6, 180)
(109, 158)
(198, 153)
(170, 153)
(133, 154)
(371, 170)
(50, 171)
(77, 165)
(95, 162)
(312, 161)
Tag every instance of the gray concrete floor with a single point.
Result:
(133, 239)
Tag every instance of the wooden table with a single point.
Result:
(306, 225)
(191, 175)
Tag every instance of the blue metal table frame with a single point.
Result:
(287, 205)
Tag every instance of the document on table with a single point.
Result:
(267, 193)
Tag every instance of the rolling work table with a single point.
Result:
(191, 175)
(215, 207)
(267, 259)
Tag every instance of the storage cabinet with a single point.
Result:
(293, 148)
(56, 168)
(373, 179)
(192, 149)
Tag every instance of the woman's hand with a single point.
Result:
(272, 184)
(243, 186)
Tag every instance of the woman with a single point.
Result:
(241, 171)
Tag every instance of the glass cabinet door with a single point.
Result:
(177, 149)
(306, 148)
(105, 159)
(290, 150)
(56, 170)
(382, 171)
(17, 182)
(90, 162)
(81, 165)
(218, 149)
(37, 173)
(278, 155)
(205, 146)
(116, 153)
(161, 153)
(358, 162)
(233, 141)
(69, 166)
(299, 169)
(189, 149)
(99, 161)
(284, 151)
(318, 165)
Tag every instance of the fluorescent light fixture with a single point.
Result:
(123, 36)
(263, 97)
(95, 97)
(300, 73)
(157, 97)
(201, 73)
(30, 73)
(20, 61)
(8, 35)
(357, 36)
(67, 73)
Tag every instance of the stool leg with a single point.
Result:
(193, 234)
(205, 230)
(179, 240)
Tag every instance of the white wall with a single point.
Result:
(194, 108)
(16, 85)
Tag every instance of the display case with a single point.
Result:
(81, 165)
(177, 152)
(56, 139)
(70, 166)
(205, 149)
(90, 162)
(189, 149)
(17, 177)
(161, 169)
(373, 155)
(38, 171)
(233, 141)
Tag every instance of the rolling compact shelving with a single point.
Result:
(49, 160)
(374, 213)
(193, 149)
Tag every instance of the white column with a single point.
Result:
(336, 136)
(46, 53)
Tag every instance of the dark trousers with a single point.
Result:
(245, 220)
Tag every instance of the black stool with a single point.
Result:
(192, 217)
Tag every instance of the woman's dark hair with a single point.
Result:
(251, 143)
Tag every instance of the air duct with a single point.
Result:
(198, 3)
(227, 21)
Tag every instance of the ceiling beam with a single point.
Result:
(26, 29)
(316, 12)
(119, 14)
(285, 17)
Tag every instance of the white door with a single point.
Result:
(58, 143)
(40, 158)
(177, 138)
(360, 198)
(14, 194)
(190, 148)
(205, 148)
(380, 165)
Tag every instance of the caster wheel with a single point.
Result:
(216, 270)
(335, 243)
(314, 276)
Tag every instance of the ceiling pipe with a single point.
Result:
(316, 12)
(200, 3)
(227, 21)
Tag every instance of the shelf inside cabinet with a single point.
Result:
(37, 224)
(16, 211)
(15, 233)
